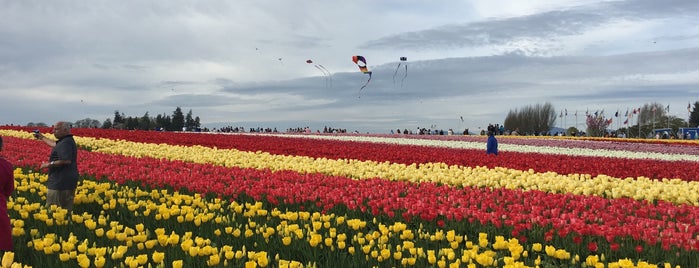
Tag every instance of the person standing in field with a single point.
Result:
(7, 186)
(492, 144)
(62, 167)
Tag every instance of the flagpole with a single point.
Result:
(565, 123)
(638, 122)
(654, 117)
(618, 123)
(668, 116)
(576, 120)
(628, 116)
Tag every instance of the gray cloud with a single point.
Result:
(69, 60)
(548, 26)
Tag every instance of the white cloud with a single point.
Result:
(245, 61)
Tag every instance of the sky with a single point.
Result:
(244, 63)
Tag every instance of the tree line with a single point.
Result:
(175, 122)
(539, 119)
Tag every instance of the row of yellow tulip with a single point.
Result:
(112, 238)
(640, 188)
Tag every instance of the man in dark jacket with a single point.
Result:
(62, 166)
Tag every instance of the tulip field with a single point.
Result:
(166, 199)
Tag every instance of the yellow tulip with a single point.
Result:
(83, 261)
(100, 261)
(193, 251)
(213, 260)
(64, 257)
(250, 264)
(142, 259)
(229, 255)
(239, 254)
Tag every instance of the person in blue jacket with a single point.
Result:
(492, 144)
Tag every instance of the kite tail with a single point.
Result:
(325, 75)
(329, 74)
(365, 84)
(406, 75)
(396, 72)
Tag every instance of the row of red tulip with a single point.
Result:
(616, 220)
(406, 154)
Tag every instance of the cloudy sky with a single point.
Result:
(243, 62)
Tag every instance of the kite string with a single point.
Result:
(406, 75)
(329, 74)
(396, 72)
(325, 75)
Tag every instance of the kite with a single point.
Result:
(361, 63)
(402, 59)
(327, 74)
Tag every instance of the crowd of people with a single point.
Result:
(231, 129)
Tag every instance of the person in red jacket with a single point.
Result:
(7, 186)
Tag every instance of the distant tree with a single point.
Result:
(597, 124)
(531, 120)
(40, 124)
(145, 122)
(177, 120)
(163, 121)
(694, 116)
(571, 131)
(87, 123)
(650, 113)
(107, 124)
(118, 118)
(131, 123)
(189, 121)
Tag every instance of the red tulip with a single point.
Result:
(592, 246)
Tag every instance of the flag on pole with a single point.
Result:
(616, 114)
(561, 116)
(566, 111)
(667, 109)
(634, 110)
(627, 112)
(626, 122)
(576, 113)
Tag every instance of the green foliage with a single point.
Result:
(597, 124)
(146, 122)
(572, 131)
(694, 115)
(531, 120)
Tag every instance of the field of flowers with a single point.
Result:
(163, 199)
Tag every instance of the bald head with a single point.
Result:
(61, 129)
